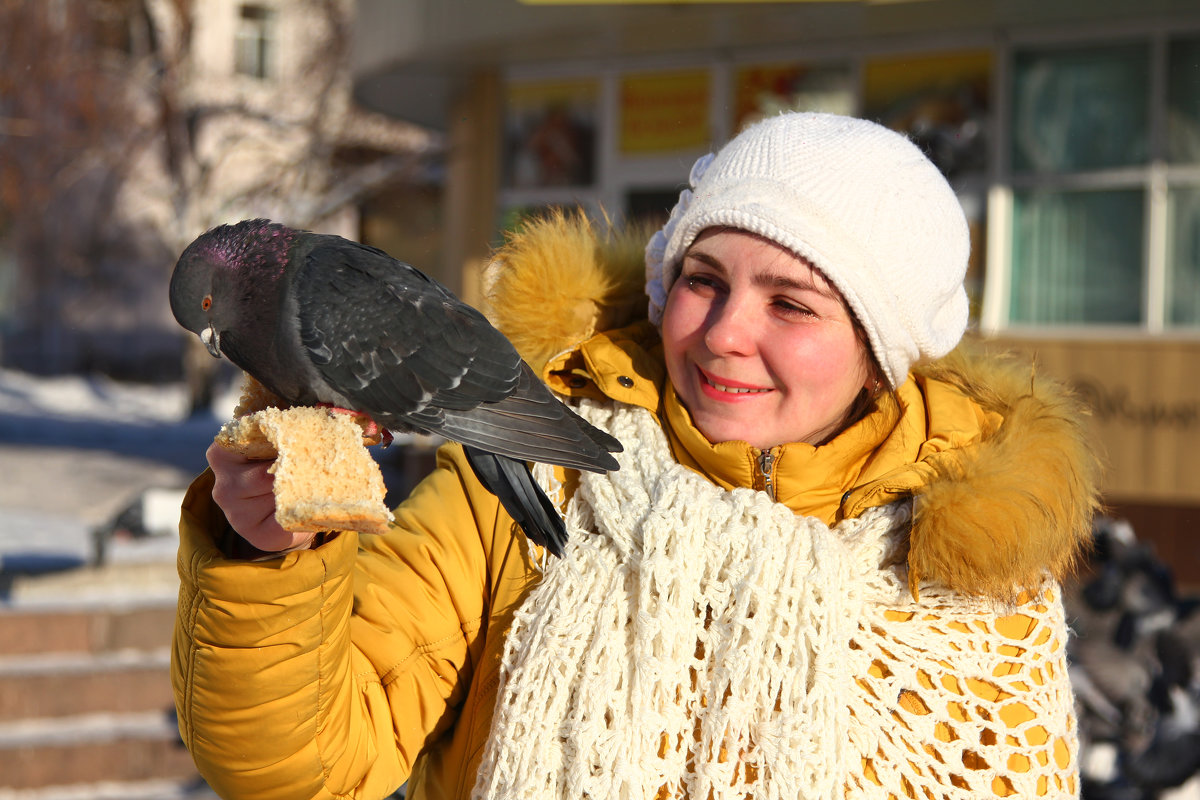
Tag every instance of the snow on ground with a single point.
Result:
(75, 451)
(78, 451)
(92, 398)
(90, 411)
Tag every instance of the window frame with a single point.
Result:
(617, 174)
(256, 25)
(1154, 178)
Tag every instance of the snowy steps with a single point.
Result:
(86, 709)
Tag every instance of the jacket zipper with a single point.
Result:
(766, 468)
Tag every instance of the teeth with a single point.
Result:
(732, 390)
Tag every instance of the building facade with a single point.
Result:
(1070, 131)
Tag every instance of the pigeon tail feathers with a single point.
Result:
(511, 482)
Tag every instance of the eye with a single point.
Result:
(206, 303)
(791, 308)
(701, 284)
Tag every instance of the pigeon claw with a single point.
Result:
(373, 432)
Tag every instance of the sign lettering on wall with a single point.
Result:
(1115, 405)
(1145, 410)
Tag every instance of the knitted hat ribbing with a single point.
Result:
(858, 201)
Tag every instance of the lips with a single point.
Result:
(725, 389)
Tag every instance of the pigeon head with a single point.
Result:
(222, 272)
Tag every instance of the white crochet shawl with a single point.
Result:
(704, 643)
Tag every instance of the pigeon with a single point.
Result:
(322, 320)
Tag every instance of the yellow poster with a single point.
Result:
(902, 79)
(665, 111)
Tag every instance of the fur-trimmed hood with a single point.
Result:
(989, 518)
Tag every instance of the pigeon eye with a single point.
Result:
(206, 303)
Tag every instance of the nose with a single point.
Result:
(731, 328)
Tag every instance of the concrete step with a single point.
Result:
(61, 685)
(153, 789)
(86, 703)
(98, 628)
(125, 583)
(92, 748)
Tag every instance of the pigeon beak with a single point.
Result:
(212, 341)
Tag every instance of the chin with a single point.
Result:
(730, 433)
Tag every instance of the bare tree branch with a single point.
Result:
(129, 142)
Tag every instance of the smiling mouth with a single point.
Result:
(721, 387)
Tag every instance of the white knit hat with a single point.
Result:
(860, 202)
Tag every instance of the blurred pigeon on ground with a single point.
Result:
(319, 319)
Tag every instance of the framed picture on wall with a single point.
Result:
(550, 134)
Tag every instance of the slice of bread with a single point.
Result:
(325, 479)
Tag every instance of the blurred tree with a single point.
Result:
(128, 127)
(64, 138)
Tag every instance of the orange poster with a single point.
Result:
(763, 90)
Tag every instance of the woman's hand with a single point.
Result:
(244, 490)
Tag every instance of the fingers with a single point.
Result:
(244, 490)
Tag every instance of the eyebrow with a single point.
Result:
(774, 280)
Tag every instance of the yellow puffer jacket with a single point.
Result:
(346, 670)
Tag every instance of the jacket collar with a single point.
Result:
(996, 458)
(891, 453)
(812, 481)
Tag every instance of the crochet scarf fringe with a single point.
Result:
(696, 642)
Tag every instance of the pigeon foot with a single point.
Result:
(371, 428)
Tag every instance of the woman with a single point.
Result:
(827, 566)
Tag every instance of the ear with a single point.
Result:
(874, 383)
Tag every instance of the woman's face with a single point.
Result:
(760, 347)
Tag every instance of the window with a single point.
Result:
(942, 101)
(1183, 100)
(1183, 257)
(550, 134)
(1105, 178)
(1077, 257)
(1183, 192)
(1080, 109)
(1080, 181)
(254, 52)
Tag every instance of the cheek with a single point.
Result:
(682, 321)
(830, 366)
(682, 333)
